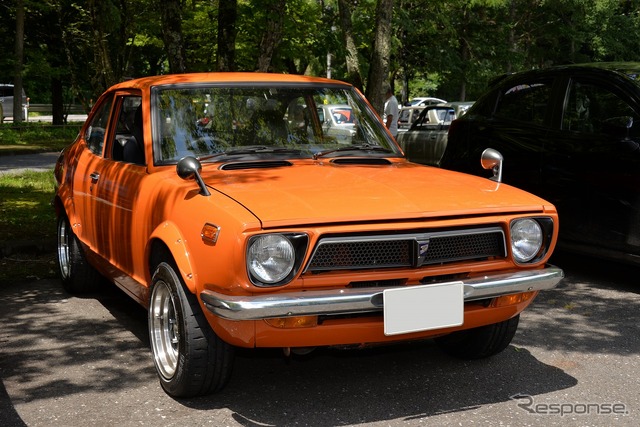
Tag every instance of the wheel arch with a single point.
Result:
(167, 244)
(62, 208)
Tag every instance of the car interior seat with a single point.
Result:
(133, 150)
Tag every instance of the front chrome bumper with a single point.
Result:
(363, 300)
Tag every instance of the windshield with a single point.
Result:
(214, 123)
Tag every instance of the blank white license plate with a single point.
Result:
(422, 308)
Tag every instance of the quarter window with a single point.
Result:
(96, 130)
(527, 102)
(597, 110)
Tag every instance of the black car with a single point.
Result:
(570, 134)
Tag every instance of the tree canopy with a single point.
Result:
(72, 50)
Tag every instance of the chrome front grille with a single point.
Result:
(406, 250)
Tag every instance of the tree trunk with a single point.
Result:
(172, 34)
(273, 33)
(104, 71)
(17, 78)
(379, 68)
(227, 15)
(352, 60)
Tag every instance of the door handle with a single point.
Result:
(95, 176)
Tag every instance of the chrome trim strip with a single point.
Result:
(349, 301)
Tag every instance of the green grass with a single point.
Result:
(30, 138)
(25, 211)
(26, 214)
(25, 206)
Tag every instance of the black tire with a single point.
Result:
(77, 275)
(481, 342)
(190, 359)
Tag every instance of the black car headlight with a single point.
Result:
(274, 259)
(527, 239)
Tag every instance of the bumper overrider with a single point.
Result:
(366, 300)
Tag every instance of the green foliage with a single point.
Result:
(90, 44)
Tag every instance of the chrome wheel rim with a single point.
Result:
(164, 330)
(63, 249)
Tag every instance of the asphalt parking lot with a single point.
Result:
(69, 361)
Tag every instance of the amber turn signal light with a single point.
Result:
(210, 233)
(512, 299)
(293, 322)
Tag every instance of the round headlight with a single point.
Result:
(270, 258)
(526, 239)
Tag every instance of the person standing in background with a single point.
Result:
(391, 112)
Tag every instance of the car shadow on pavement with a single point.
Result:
(55, 346)
(352, 387)
(8, 415)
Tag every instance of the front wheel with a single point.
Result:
(478, 343)
(190, 359)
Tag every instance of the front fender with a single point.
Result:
(170, 235)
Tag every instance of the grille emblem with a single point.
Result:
(423, 247)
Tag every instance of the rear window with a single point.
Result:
(6, 91)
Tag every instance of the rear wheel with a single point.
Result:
(76, 273)
(190, 358)
(481, 342)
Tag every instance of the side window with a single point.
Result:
(433, 118)
(129, 144)
(594, 109)
(97, 128)
(127, 118)
(526, 102)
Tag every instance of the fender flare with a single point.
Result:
(66, 207)
(170, 235)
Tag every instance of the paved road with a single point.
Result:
(69, 361)
(49, 119)
(22, 162)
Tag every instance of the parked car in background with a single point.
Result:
(425, 101)
(407, 116)
(249, 230)
(6, 102)
(425, 141)
(337, 121)
(570, 134)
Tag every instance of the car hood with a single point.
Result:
(319, 193)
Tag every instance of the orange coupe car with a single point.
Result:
(217, 202)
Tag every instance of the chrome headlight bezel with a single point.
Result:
(274, 259)
(530, 238)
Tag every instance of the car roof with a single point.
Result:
(223, 77)
(630, 69)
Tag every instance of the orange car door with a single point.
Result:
(85, 175)
(117, 186)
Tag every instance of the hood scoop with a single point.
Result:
(255, 165)
(369, 161)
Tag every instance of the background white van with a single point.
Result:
(6, 102)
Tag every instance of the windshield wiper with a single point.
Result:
(362, 147)
(254, 149)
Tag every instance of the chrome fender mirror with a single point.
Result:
(492, 159)
(189, 168)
